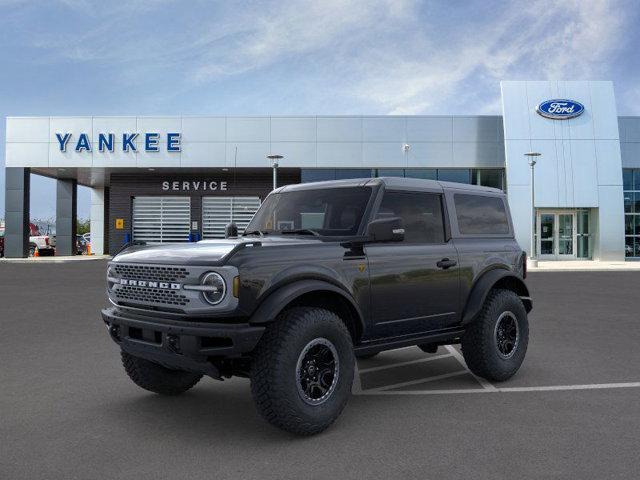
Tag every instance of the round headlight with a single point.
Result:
(215, 288)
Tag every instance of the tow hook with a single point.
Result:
(114, 331)
(172, 343)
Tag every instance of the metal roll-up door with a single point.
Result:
(217, 212)
(161, 219)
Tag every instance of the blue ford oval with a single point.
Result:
(560, 109)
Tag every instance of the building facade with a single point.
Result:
(174, 179)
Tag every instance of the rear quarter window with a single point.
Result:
(481, 215)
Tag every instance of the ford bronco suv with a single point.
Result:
(324, 273)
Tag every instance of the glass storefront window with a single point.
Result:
(488, 177)
(424, 173)
(459, 175)
(346, 173)
(390, 172)
(631, 182)
(627, 178)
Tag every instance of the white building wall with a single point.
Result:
(580, 166)
(97, 221)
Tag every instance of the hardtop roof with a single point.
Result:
(393, 182)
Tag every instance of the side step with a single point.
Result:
(450, 335)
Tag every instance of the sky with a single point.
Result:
(148, 57)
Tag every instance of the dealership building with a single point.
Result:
(178, 178)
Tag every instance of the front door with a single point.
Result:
(557, 235)
(414, 283)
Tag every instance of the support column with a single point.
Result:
(97, 221)
(17, 191)
(66, 217)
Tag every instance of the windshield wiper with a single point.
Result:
(301, 231)
(255, 232)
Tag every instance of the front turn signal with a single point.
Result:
(236, 286)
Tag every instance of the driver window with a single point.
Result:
(421, 215)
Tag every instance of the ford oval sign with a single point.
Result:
(560, 109)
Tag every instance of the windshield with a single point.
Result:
(328, 211)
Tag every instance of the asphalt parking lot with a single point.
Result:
(69, 411)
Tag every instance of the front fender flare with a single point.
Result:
(483, 286)
(273, 304)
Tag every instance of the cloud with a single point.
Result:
(392, 56)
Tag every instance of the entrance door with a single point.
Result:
(557, 235)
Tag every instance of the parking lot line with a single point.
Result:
(400, 364)
(485, 384)
(418, 381)
(543, 388)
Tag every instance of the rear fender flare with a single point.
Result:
(486, 283)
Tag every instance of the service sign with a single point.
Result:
(106, 142)
(560, 109)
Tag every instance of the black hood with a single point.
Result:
(206, 252)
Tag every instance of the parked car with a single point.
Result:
(43, 243)
(324, 273)
(1, 242)
(81, 245)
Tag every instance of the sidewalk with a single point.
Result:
(584, 266)
(54, 259)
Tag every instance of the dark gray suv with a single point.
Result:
(324, 273)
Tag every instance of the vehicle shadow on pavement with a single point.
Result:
(209, 407)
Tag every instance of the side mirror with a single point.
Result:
(230, 230)
(385, 230)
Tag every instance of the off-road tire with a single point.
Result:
(156, 378)
(479, 344)
(274, 375)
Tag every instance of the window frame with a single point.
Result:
(450, 196)
(427, 191)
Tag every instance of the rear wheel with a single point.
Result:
(302, 370)
(495, 344)
(156, 378)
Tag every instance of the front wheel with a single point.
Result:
(302, 370)
(495, 343)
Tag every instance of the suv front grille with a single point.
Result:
(151, 272)
(151, 295)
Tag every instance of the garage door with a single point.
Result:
(217, 212)
(161, 219)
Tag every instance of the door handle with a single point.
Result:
(446, 263)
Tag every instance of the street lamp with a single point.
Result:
(274, 162)
(533, 259)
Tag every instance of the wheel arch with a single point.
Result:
(496, 278)
(313, 293)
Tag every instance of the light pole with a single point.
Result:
(533, 258)
(274, 162)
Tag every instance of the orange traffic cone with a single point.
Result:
(36, 253)
(88, 248)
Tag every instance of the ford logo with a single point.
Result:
(560, 109)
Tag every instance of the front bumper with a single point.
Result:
(180, 344)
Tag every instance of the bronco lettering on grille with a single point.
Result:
(150, 284)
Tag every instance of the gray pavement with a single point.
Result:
(67, 410)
